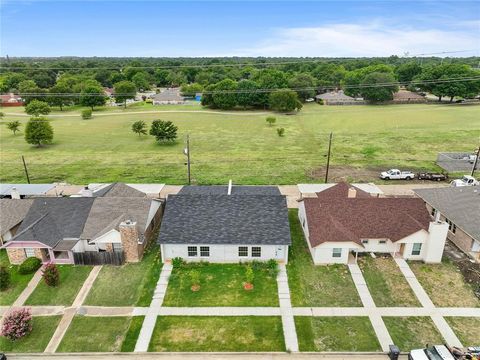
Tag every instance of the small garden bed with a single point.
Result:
(210, 334)
(321, 285)
(43, 328)
(336, 334)
(18, 282)
(466, 329)
(71, 281)
(221, 285)
(412, 332)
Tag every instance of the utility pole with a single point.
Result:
(186, 151)
(328, 157)
(26, 170)
(477, 155)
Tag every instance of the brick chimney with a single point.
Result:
(129, 237)
(352, 192)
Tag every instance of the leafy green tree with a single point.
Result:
(38, 131)
(141, 81)
(139, 127)
(176, 79)
(328, 74)
(303, 84)
(354, 78)
(271, 120)
(281, 132)
(247, 93)
(37, 108)
(13, 126)
(28, 90)
(374, 89)
(225, 96)
(163, 130)
(1, 115)
(93, 95)
(190, 90)
(161, 77)
(12, 80)
(124, 90)
(407, 72)
(269, 79)
(284, 100)
(59, 95)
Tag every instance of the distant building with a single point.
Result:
(337, 98)
(11, 100)
(168, 96)
(405, 96)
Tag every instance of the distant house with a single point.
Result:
(71, 230)
(121, 189)
(17, 191)
(460, 208)
(337, 98)
(408, 97)
(168, 96)
(108, 91)
(11, 100)
(344, 220)
(225, 224)
(12, 213)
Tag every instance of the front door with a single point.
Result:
(45, 255)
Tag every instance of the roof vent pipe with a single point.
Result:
(229, 187)
(14, 193)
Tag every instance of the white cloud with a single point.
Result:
(373, 39)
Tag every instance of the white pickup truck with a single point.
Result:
(466, 180)
(395, 174)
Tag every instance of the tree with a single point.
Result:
(1, 115)
(271, 120)
(161, 77)
(139, 127)
(37, 108)
(269, 79)
(17, 324)
(225, 96)
(373, 89)
(60, 95)
(141, 81)
(163, 130)
(247, 93)
(191, 90)
(28, 90)
(13, 126)
(407, 72)
(93, 95)
(281, 132)
(354, 78)
(304, 85)
(38, 131)
(328, 74)
(123, 91)
(284, 100)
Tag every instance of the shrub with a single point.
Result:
(17, 324)
(30, 265)
(50, 275)
(13, 126)
(163, 130)
(281, 132)
(178, 262)
(249, 274)
(86, 114)
(4, 278)
(272, 266)
(37, 108)
(139, 127)
(38, 131)
(271, 120)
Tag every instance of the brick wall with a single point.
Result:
(129, 236)
(16, 256)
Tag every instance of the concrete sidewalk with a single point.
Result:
(288, 321)
(32, 284)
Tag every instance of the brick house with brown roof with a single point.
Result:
(344, 220)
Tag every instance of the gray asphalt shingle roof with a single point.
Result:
(118, 190)
(223, 190)
(12, 212)
(461, 205)
(225, 219)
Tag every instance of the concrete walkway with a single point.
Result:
(152, 313)
(70, 312)
(32, 284)
(288, 321)
(375, 317)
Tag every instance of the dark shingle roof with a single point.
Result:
(225, 219)
(223, 190)
(118, 190)
(461, 205)
(12, 212)
(50, 220)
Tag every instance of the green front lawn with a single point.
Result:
(133, 331)
(71, 280)
(321, 285)
(467, 329)
(336, 334)
(42, 330)
(412, 332)
(444, 284)
(221, 285)
(18, 282)
(221, 333)
(386, 283)
(95, 334)
(127, 285)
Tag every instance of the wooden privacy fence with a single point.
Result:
(99, 258)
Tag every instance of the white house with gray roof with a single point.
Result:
(223, 224)
(460, 208)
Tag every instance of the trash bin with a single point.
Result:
(394, 352)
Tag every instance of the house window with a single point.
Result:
(337, 252)
(382, 242)
(117, 247)
(451, 226)
(433, 212)
(192, 251)
(243, 251)
(29, 252)
(417, 247)
(205, 251)
(364, 241)
(256, 251)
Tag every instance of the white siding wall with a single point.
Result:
(225, 253)
(437, 236)
(323, 254)
(374, 245)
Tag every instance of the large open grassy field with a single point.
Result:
(240, 145)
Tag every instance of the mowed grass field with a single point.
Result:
(240, 145)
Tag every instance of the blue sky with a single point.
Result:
(229, 28)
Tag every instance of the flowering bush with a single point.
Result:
(51, 275)
(17, 324)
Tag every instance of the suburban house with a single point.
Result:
(311, 190)
(168, 96)
(17, 191)
(225, 224)
(12, 213)
(123, 190)
(407, 97)
(459, 207)
(77, 230)
(337, 98)
(344, 220)
(11, 100)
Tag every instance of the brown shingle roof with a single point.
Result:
(335, 217)
(12, 212)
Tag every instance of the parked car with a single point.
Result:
(432, 176)
(466, 180)
(437, 352)
(395, 174)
